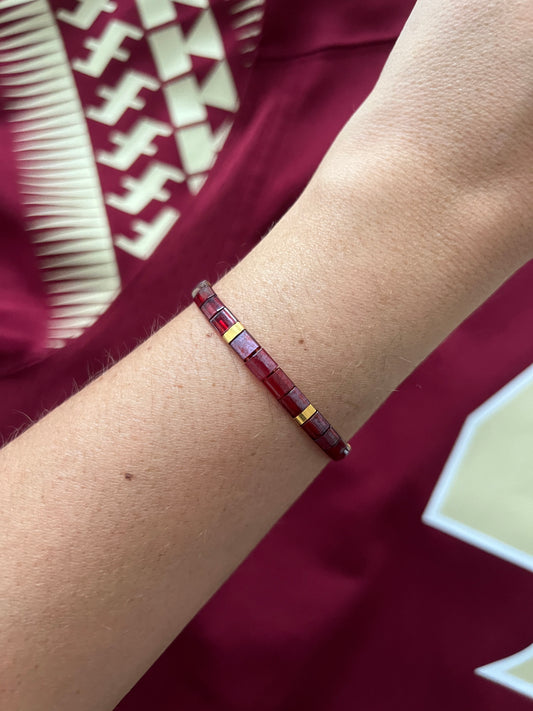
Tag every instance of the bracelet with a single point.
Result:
(268, 372)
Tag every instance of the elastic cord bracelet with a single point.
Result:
(268, 372)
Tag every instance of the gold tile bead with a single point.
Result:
(233, 332)
(305, 415)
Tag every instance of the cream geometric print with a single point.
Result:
(65, 208)
(485, 496)
(58, 180)
(515, 672)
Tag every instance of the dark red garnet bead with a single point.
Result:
(264, 367)
(244, 345)
(261, 364)
(212, 306)
(202, 292)
(316, 425)
(278, 383)
(294, 401)
(223, 319)
(328, 439)
(339, 450)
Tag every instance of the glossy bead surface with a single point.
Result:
(294, 401)
(223, 320)
(328, 439)
(339, 450)
(278, 383)
(212, 306)
(244, 345)
(202, 292)
(261, 364)
(265, 368)
(315, 425)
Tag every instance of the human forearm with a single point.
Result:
(126, 508)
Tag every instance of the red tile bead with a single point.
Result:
(339, 450)
(278, 383)
(294, 401)
(244, 345)
(202, 292)
(261, 364)
(316, 425)
(328, 439)
(212, 306)
(222, 320)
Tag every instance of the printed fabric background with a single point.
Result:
(149, 144)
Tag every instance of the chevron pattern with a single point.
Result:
(248, 23)
(59, 183)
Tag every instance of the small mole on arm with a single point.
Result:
(128, 476)
(301, 340)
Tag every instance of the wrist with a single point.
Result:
(418, 195)
(374, 265)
